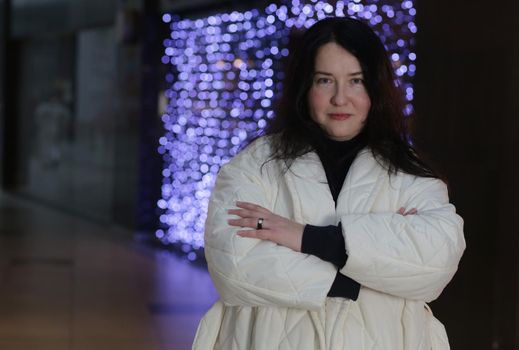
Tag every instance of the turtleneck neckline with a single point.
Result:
(337, 157)
(338, 149)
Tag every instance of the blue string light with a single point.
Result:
(225, 72)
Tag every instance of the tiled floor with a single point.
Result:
(67, 283)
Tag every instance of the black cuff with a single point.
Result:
(344, 287)
(326, 243)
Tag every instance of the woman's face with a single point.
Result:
(338, 100)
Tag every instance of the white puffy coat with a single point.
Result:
(275, 298)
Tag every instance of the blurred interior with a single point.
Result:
(81, 90)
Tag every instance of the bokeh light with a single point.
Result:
(225, 72)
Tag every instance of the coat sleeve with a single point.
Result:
(253, 272)
(413, 256)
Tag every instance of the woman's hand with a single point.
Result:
(274, 228)
(402, 211)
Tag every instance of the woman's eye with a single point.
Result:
(357, 81)
(324, 81)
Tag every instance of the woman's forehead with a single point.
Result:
(332, 58)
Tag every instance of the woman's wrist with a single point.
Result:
(325, 242)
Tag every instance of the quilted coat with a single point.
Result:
(275, 298)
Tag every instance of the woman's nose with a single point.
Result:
(340, 96)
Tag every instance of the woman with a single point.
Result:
(330, 232)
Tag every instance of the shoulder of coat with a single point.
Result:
(253, 159)
(258, 150)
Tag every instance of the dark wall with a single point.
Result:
(31, 17)
(467, 120)
(6, 122)
(3, 34)
(96, 171)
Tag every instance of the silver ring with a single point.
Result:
(259, 225)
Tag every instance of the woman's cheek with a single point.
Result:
(318, 97)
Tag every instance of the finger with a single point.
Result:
(247, 222)
(235, 222)
(259, 234)
(411, 212)
(244, 213)
(401, 211)
(252, 206)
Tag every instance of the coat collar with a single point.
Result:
(363, 181)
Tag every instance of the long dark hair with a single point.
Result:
(386, 130)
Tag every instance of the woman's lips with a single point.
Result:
(339, 116)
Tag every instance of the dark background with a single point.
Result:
(466, 99)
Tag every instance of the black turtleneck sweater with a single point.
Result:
(327, 242)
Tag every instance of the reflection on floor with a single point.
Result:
(67, 283)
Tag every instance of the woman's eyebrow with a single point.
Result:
(321, 72)
(330, 74)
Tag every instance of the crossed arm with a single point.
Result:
(324, 242)
(275, 228)
(412, 253)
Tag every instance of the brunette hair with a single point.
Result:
(386, 130)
